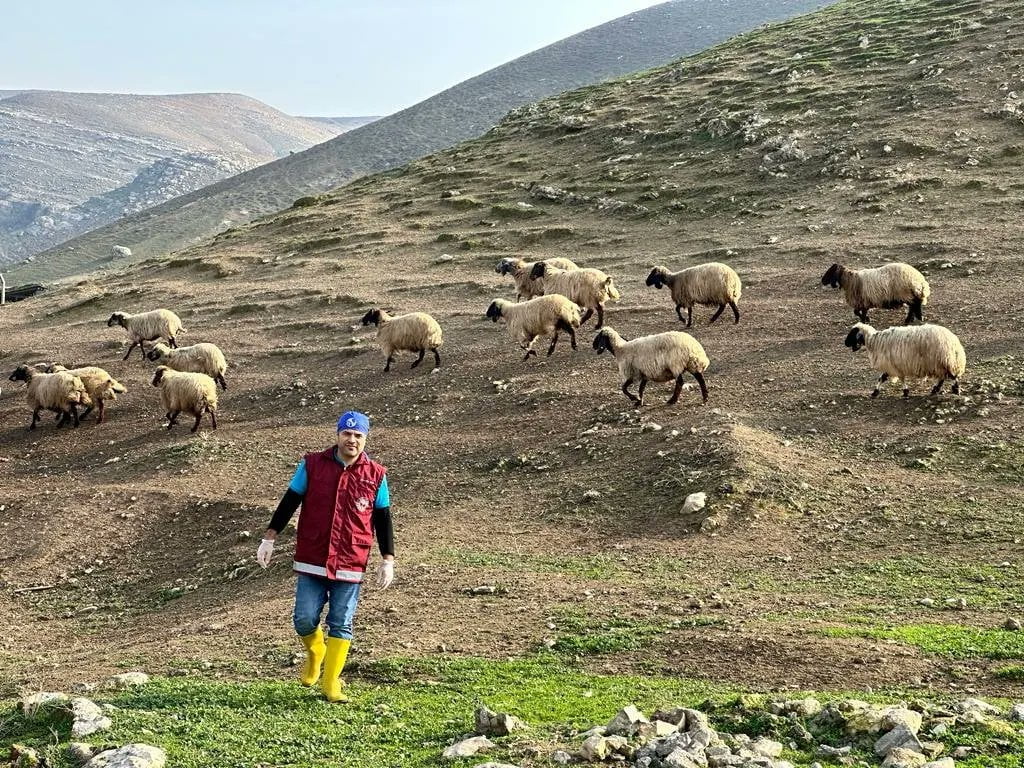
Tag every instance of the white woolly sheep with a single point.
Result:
(887, 287)
(414, 332)
(100, 385)
(711, 284)
(589, 288)
(59, 392)
(660, 357)
(182, 391)
(196, 358)
(911, 352)
(148, 326)
(520, 269)
(543, 316)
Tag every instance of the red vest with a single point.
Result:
(335, 528)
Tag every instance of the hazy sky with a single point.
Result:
(305, 57)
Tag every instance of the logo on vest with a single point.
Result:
(362, 504)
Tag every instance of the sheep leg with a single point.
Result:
(129, 352)
(625, 390)
(213, 417)
(956, 385)
(878, 385)
(906, 389)
(679, 313)
(142, 349)
(419, 359)
(387, 365)
(675, 392)
(199, 417)
(73, 409)
(703, 385)
(173, 343)
(862, 314)
(223, 383)
(718, 313)
(689, 317)
(35, 418)
(586, 317)
(640, 393)
(99, 416)
(600, 317)
(937, 389)
(562, 325)
(174, 418)
(554, 341)
(437, 358)
(735, 311)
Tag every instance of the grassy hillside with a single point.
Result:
(647, 38)
(847, 543)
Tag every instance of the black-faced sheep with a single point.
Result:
(911, 352)
(543, 316)
(148, 326)
(887, 287)
(192, 393)
(526, 286)
(59, 392)
(414, 332)
(196, 358)
(589, 288)
(100, 385)
(711, 284)
(660, 357)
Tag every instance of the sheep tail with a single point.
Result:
(613, 292)
(118, 387)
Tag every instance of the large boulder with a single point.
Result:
(130, 756)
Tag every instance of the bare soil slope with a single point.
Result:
(866, 133)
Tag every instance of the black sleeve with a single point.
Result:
(285, 509)
(384, 529)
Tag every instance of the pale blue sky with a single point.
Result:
(305, 57)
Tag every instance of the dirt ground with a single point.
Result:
(130, 546)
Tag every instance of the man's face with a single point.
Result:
(350, 444)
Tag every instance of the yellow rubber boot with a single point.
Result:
(334, 662)
(315, 650)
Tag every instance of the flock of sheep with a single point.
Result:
(553, 296)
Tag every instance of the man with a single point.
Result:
(345, 500)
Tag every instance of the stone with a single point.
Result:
(808, 707)
(87, 718)
(946, 762)
(1012, 625)
(80, 752)
(694, 502)
(121, 251)
(130, 756)
(467, 747)
(490, 723)
(561, 757)
(680, 758)
(625, 721)
(766, 747)
(675, 716)
(657, 729)
(43, 704)
(893, 717)
(595, 748)
(24, 757)
(904, 758)
(899, 737)
(1017, 712)
(127, 680)
(826, 750)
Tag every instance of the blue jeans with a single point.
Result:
(312, 593)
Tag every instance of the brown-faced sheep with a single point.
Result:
(711, 284)
(526, 286)
(148, 326)
(660, 357)
(100, 385)
(192, 393)
(196, 358)
(543, 316)
(911, 352)
(589, 288)
(59, 392)
(887, 287)
(414, 332)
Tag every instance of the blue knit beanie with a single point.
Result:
(355, 421)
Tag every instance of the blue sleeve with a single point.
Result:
(300, 482)
(383, 495)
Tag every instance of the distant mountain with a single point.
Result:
(71, 162)
(638, 41)
(346, 123)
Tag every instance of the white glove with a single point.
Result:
(265, 551)
(385, 574)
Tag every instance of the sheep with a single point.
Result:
(197, 358)
(542, 316)
(193, 393)
(887, 287)
(100, 385)
(527, 287)
(60, 392)
(416, 332)
(589, 288)
(707, 284)
(915, 352)
(148, 326)
(660, 357)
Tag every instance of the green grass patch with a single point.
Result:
(580, 635)
(598, 566)
(1014, 672)
(951, 640)
(403, 713)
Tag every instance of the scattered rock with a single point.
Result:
(127, 680)
(43, 704)
(1013, 625)
(130, 756)
(625, 722)
(561, 757)
(904, 758)
(484, 589)
(490, 723)
(946, 762)
(898, 738)
(1017, 713)
(694, 502)
(81, 752)
(87, 717)
(766, 747)
(121, 251)
(595, 748)
(467, 747)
